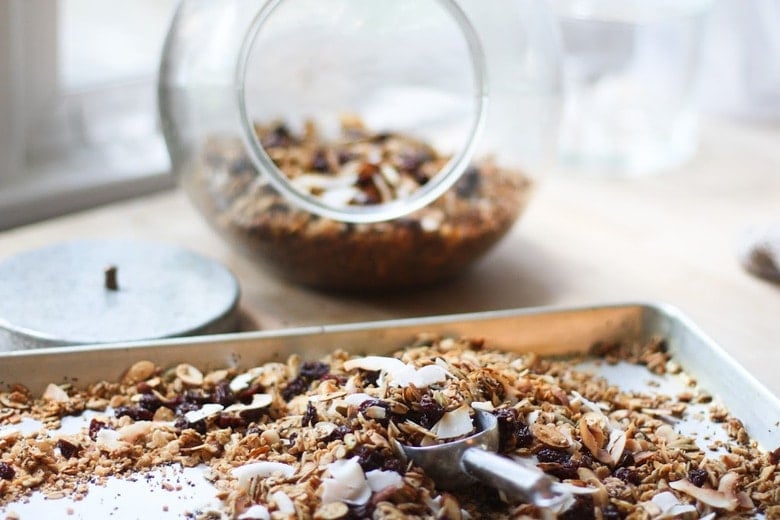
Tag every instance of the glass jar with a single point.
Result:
(360, 144)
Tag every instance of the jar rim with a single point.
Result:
(423, 196)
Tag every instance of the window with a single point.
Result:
(78, 111)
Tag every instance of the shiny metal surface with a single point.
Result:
(112, 290)
(545, 330)
(459, 464)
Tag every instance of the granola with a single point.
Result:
(314, 438)
(361, 168)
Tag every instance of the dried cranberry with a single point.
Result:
(319, 162)
(250, 416)
(628, 475)
(198, 426)
(310, 417)
(430, 411)
(370, 377)
(245, 396)
(366, 174)
(365, 405)
(181, 423)
(563, 470)
(196, 397)
(310, 371)
(697, 477)
(67, 449)
(469, 183)
(344, 156)
(380, 137)
(362, 512)
(582, 509)
(553, 455)
(295, 387)
(279, 136)
(186, 407)
(394, 464)
(512, 432)
(150, 402)
(337, 434)
(94, 427)
(225, 420)
(774, 457)
(6, 471)
(136, 413)
(411, 161)
(610, 512)
(626, 460)
(314, 369)
(369, 458)
(223, 394)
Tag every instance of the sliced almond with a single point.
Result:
(189, 375)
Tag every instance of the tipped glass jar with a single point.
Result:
(360, 144)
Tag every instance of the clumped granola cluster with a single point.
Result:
(360, 168)
(314, 438)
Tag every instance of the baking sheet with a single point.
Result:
(549, 331)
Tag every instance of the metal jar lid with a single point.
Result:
(108, 290)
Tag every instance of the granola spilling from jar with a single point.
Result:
(361, 168)
(315, 438)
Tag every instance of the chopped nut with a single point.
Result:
(140, 371)
(189, 375)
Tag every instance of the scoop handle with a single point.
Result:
(514, 479)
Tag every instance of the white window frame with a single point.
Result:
(47, 166)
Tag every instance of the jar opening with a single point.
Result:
(352, 79)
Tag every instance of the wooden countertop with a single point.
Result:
(584, 240)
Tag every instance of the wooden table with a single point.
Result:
(584, 240)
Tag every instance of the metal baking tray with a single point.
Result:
(544, 330)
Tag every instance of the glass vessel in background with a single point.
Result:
(360, 144)
(630, 69)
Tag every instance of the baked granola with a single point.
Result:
(314, 438)
(361, 168)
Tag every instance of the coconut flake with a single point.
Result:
(374, 364)
(243, 381)
(616, 445)
(421, 378)
(348, 483)
(400, 374)
(247, 472)
(486, 406)
(453, 424)
(55, 393)
(357, 399)
(711, 497)
(379, 480)
(134, 431)
(256, 512)
(283, 502)
(107, 439)
(590, 405)
(666, 506)
(404, 376)
(205, 412)
(430, 374)
(258, 401)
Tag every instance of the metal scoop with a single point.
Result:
(458, 464)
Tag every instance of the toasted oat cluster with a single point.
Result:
(361, 168)
(315, 438)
